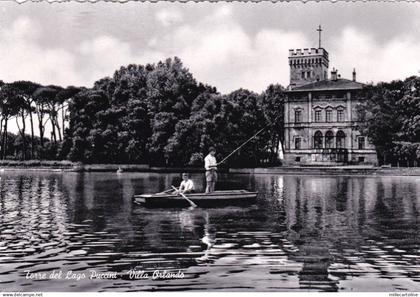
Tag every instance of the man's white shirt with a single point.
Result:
(209, 161)
(187, 185)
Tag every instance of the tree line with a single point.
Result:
(392, 120)
(160, 115)
(32, 107)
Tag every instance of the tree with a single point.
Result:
(86, 138)
(25, 90)
(392, 113)
(8, 95)
(44, 99)
(130, 95)
(243, 116)
(382, 123)
(409, 109)
(171, 90)
(159, 114)
(272, 104)
(193, 136)
(61, 102)
(224, 122)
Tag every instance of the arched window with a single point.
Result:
(318, 140)
(329, 139)
(341, 139)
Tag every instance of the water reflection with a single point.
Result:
(356, 222)
(305, 233)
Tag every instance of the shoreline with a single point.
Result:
(339, 170)
(67, 166)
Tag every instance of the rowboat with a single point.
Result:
(216, 198)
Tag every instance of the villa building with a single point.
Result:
(321, 114)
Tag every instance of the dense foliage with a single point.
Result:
(159, 114)
(392, 120)
(27, 103)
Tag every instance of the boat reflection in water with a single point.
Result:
(322, 233)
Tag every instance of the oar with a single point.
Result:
(185, 197)
(167, 191)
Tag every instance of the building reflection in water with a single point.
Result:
(335, 222)
(335, 218)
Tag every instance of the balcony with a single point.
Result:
(330, 155)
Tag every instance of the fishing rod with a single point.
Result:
(246, 142)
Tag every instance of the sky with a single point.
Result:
(227, 45)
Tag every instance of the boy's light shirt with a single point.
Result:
(187, 185)
(209, 162)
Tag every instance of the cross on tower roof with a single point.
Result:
(319, 33)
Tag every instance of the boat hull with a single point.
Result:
(215, 199)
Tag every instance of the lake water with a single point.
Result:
(305, 233)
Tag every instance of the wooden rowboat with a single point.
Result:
(217, 198)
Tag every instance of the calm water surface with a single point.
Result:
(320, 233)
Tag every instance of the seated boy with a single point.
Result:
(187, 185)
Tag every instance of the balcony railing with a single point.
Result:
(333, 154)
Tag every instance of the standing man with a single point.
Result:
(210, 165)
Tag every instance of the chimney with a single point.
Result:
(354, 74)
(334, 74)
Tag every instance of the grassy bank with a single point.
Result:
(36, 164)
(79, 167)
(333, 170)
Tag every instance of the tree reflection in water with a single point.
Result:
(323, 233)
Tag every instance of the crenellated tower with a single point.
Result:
(307, 65)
